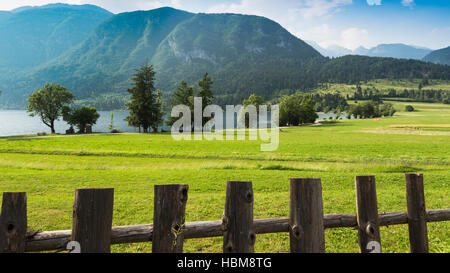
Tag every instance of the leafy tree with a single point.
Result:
(81, 117)
(48, 103)
(252, 100)
(296, 110)
(409, 108)
(387, 110)
(145, 106)
(184, 95)
(205, 93)
(368, 109)
(329, 102)
(371, 109)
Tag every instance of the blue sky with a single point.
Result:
(348, 23)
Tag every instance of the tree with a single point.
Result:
(48, 103)
(81, 117)
(409, 108)
(111, 123)
(296, 110)
(387, 110)
(184, 95)
(252, 100)
(371, 109)
(205, 93)
(145, 106)
(368, 109)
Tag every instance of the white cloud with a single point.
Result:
(322, 34)
(408, 3)
(283, 10)
(327, 35)
(354, 37)
(300, 17)
(317, 8)
(374, 2)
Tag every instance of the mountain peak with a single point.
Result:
(59, 6)
(440, 56)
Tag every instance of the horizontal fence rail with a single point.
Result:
(54, 240)
(93, 209)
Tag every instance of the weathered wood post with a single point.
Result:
(169, 218)
(13, 222)
(306, 230)
(417, 215)
(92, 220)
(239, 235)
(367, 215)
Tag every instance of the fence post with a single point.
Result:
(367, 215)
(417, 215)
(239, 235)
(169, 218)
(92, 220)
(306, 230)
(13, 222)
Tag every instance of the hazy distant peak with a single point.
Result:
(440, 56)
(59, 5)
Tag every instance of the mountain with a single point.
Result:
(354, 68)
(399, 51)
(330, 51)
(338, 51)
(360, 51)
(317, 47)
(30, 36)
(441, 56)
(242, 53)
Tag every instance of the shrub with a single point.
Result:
(409, 108)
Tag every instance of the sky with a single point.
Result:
(347, 23)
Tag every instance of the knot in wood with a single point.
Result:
(297, 231)
(183, 194)
(229, 248)
(249, 196)
(252, 237)
(370, 229)
(10, 227)
(225, 223)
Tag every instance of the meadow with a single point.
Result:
(49, 169)
(384, 85)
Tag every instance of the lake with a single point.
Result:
(18, 122)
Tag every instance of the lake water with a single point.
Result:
(18, 122)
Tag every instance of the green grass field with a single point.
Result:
(49, 169)
(384, 85)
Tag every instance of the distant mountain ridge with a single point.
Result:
(399, 51)
(440, 56)
(33, 35)
(238, 51)
(244, 54)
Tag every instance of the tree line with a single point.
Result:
(418, 95)
(147, 109)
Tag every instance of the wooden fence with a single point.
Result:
(92, 230)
